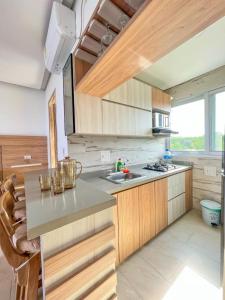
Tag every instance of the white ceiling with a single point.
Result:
(201, 54)
(23, 28)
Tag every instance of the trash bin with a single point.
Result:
(211, 212)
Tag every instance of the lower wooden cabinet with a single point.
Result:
(188, 190)
(143, 212)
(161, 196)
(147, 206)
(128, 219)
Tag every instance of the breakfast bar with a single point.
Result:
(77, 236)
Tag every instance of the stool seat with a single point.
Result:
(21, 242)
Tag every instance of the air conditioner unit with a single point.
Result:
(61, 37)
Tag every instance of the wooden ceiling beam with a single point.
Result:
(157, 29)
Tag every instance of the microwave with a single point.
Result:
(160, 120)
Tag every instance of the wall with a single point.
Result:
(199, 85)
(88, 150)
(22, 111)
(55, 84)
(204, 187)
(56, 81)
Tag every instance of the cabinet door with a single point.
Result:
(160, 100)
(176, 185)
(139, 94)
(119, 94)
(188, 190)
(88, 114)
(128, 219)
(143, 122)
(147, 212)
(161, 200)
(132, 92)
(118, 119)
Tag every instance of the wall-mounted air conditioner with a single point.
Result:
(61, 37)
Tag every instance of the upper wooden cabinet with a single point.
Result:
(88, 114)
(161, 100)
(125, 120)
(134, 93)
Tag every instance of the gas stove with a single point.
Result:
(160, 166)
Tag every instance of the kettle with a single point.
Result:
(68, 167)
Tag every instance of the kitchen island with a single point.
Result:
(77, 234)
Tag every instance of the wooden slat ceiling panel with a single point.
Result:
(160, 27)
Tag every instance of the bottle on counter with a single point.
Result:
(119, 165)
(167, 155)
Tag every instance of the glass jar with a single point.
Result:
(69, 169)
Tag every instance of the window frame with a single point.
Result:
(209, 122)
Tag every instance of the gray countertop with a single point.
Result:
(94, 178)
(46, 212)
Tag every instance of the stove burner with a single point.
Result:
(160, 166)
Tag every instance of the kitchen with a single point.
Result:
(161, 246)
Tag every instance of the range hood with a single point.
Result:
(163, 131)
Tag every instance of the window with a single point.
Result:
(200, 123)
(189, 120)
(218, 120)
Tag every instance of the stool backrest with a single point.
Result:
(6, 212)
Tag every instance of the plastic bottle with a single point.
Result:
(119, 165)
(167, 155)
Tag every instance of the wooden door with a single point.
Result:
(53, 131)
(161, 100)
(161, 200)
(128, 219)
(188, 190)
(147, 212)
(88, 111)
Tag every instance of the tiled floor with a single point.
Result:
(182, 263)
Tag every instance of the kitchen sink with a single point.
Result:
(122, 177)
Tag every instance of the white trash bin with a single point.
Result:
(211, 212)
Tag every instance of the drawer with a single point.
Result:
(176, 185)
(176, 208)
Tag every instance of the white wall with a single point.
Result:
(56, 85)
(22, 111)
(56, 81)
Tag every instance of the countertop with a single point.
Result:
(46, 212)
(94, 178)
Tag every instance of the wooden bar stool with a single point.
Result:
(22, 255)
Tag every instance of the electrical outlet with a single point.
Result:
(105, 156)
(210, 171)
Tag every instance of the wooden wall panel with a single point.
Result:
(14, 152)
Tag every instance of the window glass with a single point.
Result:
(189, 120)
(219, 121)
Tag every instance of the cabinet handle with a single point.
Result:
(26, 165)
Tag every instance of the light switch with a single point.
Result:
(210, 171)
(105, 156)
